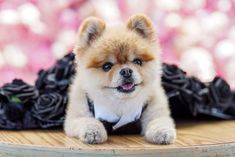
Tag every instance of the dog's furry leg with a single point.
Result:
(157, 125)
(79, 121)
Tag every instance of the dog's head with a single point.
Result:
(118, 60)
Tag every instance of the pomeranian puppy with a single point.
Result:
(118, 81)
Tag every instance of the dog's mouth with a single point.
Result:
(127, 87)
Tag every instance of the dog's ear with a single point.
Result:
(142, 25)
(90, 30)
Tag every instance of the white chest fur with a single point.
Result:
(119, 111)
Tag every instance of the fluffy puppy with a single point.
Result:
(119, 69)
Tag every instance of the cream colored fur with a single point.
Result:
(157, 125)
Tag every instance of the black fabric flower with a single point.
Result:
(15, 99)
(57, 78)
(18, 90)
(173, 78)
(175, 84)
(23, 106)
(53, 85)
(49, 109)
(190, 97)
(220, 93)
(197, 95)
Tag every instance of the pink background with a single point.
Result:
(198, 35)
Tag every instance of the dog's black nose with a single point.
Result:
(126, 72)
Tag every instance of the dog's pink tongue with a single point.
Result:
(127, 86)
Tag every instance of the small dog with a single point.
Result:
(119, 73)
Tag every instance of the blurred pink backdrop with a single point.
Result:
(197, 35)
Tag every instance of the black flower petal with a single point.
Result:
(15, 99)
(13, 115)
(220, 93)
(49, 109)
(175, 84)
(189, 96)
(18, 89)
(57, 78)
(173, 78)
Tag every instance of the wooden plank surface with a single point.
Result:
(195, 138)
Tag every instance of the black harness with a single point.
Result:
(130, 128)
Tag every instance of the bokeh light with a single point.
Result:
(198, 35)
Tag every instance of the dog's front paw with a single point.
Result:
(93, 134)
(160, 135)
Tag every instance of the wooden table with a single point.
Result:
(195, 139)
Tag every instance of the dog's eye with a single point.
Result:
(107, 66)
(137, 61)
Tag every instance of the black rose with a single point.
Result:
(176, 86)
(49, 109)
(14, 114)
(195, 95)
(18, 90)
(57, 78)
(173, 79)
(220, 93)
(15, 98)
(189, 96)
(197, 88)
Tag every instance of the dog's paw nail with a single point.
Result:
(161, 136)
(94, 135)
